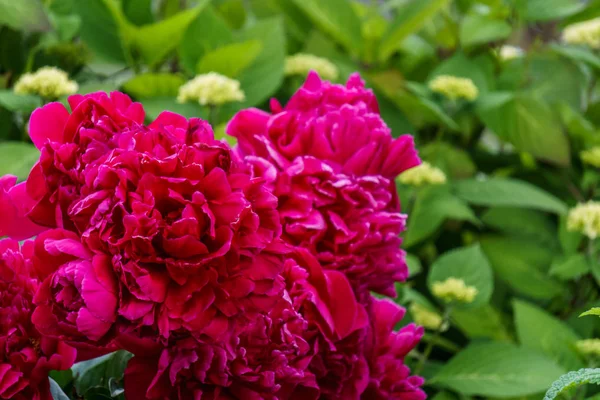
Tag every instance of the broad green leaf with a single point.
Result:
(507, 192)
(576, 53)
(139, 12)
(573, 379)
(545, 10)
(483, 322)
(156, 105)
(455, 162)
(410, 18)
(526, 122)
(468, 264)
(19, 102)
(155, 41)
(336, 18)
(570, 267)
(432, 207)
(154, 85)
(24, 15)
(531, 224)
(205, 33)
(522, 265)
(539, 330)
(230, 60)
(569, 240)
(56, 392)
(591, 311)
(96, 373)
(462, 66)
(17, 158)
(104, 30)
(499, 370)
(263, 77)
(414, 265)
(481, 29)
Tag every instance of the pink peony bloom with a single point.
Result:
(14, 204)
(26, 356)
(331, 161)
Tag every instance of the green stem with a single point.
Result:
(432, 341)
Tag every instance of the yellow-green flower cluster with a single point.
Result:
(586, 33)
(211, 89)
(425, 317)
(454, 87)
(424, 174)
(588, 347)
(585, 218)
(454, 290)
(302, 63)
(508, 52)
(48, 82)
(591, 156)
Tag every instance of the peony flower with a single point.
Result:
(331, 161)
(585, 33)
(454, 87)
(591, 156)
(301, 64)
(26, 356)
(211, 89)
(424, 174)
(585, 218)
(48, 82)
(454, 290)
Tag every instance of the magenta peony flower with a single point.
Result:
(331, 161)
(14, 203)
(26, 356)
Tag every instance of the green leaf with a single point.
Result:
(576, 53)
(522, 264)
(555, 80)
(468, 264)
(138, 12)
(462, 66)
(414, 265)
(531, 224)
(154, 85)
(24, 15)
(206, 33)
(432, 207)
(56, 392)
(507, 192)
(573, 379)
(336, 18)
(155, 41)
(591, 311)
(19, 102)
(545, 10)
(410, 18)
(481, 29)
(103, 29)
(497, 369)
(539, 330)
(96, 373)
(571, 267)
(156, 105)
(526, 122)
(481, 322)
(455, 162)
(569, 240)
(230, 60)
(17, 158)
(264, 76)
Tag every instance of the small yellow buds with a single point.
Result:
(591, 156)
(426, 318)
(454, 290)
(424, 174)
(211, 89)
(301, 64)
(454, 87)
(585, 218)
(48, 82)
(507, 52)
(588, 347)
(586, 33)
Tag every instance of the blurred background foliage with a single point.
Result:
(506, 147)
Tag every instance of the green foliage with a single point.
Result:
(573, 379)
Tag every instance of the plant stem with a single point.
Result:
(432, 341)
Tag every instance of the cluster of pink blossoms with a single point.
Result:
(239, 273)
